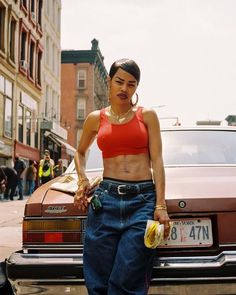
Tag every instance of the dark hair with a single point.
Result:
(127, 65)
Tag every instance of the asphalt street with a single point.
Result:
(11, 214)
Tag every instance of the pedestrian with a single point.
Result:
(31, 174)
(59, 169)
(8, 180)
(20, 167)
(132, 190)
(46, 168)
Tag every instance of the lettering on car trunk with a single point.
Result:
(56, 209)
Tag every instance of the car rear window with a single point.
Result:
(192, 147)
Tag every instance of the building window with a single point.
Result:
(81, 108)
(2, 27)
(8, 88)
(47, 50)
(36, 134)
(40, 5)
(46, 103)
(8, 117)
(24, 4)
(32, 5)
(20, 123)
(31, 58)
(39, 66)
(2, 84)
(28, 127)
(81, 79)
(53, 58)
(12, 39)
(23, 58)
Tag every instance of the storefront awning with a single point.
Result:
(70, 150)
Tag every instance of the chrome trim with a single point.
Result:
(196, 262)
(45, 258)
(45, 218)
(198, 165)
(191, 262)
(227, 245)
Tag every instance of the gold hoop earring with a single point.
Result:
(134, 104)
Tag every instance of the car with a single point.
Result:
(200, 254)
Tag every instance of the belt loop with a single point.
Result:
(109, 185)
(138, 187)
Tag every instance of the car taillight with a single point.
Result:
(54, 231)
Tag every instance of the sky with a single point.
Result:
(186, 50)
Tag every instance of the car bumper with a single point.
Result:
(63, 274)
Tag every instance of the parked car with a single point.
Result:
(200, 166)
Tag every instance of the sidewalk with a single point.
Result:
(11, 214)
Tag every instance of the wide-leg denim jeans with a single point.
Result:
(116, 261)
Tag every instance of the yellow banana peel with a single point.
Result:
(154, 234)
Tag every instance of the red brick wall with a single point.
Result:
(68, 100)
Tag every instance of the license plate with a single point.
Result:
(190, 233)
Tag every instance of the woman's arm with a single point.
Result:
(89, 133)
(155, 149)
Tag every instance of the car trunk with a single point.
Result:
(194, 196)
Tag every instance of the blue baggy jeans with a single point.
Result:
(116, 261)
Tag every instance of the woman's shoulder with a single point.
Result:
(149, 115)
(93, 120)
(94, 114)
(147, 111)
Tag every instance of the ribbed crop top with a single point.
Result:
(130, 138)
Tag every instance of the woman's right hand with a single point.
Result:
(80, 198)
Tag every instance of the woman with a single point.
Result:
(116, 260)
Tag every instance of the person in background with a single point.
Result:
(31, 174)
(8, 180)
(20, 167)
(46, 168)
(59, 169)
(116, 260)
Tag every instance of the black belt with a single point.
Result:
(127, 189)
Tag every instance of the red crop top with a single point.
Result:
(130, 138)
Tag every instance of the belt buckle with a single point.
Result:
(119, 187)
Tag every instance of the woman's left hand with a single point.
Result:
(162, 216)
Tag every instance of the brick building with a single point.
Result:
(21, 49)
(83, 88)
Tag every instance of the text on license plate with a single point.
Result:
(190, 233)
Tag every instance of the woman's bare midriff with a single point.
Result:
(128, 167)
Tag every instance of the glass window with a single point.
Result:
(81, 108)
(40, 5)
(81, 79)
(31, 65)
(12, 39)
(23, 60)
(36, 135)
(28, 127)
(8, 88)
(2, 84)
(2, 26)
(47, 50)
(39, 62)
(8, 117)
(46, 103)
(20, 123)
(32, 5)
(196, 147)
